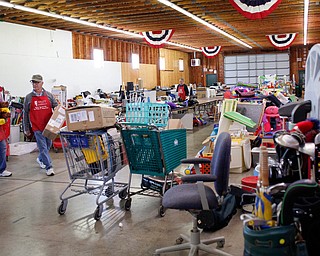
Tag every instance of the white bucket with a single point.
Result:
(14, 134)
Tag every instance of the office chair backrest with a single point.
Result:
(220, 164)
(300, 111)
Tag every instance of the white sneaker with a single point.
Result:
(42, 165)
(50, 172)
(5, 173)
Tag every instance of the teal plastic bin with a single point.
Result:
(146, 113)
(154, 152)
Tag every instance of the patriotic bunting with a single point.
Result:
(255, 9)
(157, 39)
(282, 41)
(211, 52)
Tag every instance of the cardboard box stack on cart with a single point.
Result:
(94, 153)
(90, 117)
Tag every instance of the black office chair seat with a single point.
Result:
(186, 196)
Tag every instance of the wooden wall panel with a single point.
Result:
(114, 50)
(146, 72)
(298, 59)
(172, 74)
(207, 66)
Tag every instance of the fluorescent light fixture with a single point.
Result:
(83, 22)
(6, 4)
(184, 46)
(220, 31)
(305, 21)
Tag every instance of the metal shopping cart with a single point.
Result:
(152, 152)
(93, 160)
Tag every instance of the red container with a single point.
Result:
(249, 183)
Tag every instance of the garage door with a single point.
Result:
(247, 68)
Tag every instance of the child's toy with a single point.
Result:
(4, 112)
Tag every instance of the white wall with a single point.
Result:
(25, 51)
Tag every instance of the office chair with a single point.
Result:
(295, 111)
(195, 197)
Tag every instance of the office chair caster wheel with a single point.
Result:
(220, 244)
(179, 240)
(127, 204)
(162, 211)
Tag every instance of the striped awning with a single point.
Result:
(211, 51)
(282, 41)
(157, 38)
(255, 9)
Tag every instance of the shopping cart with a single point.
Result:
(93, 160)
(152, 152)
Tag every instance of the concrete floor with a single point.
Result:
(31, 225)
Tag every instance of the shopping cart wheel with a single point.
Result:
(123, 194)
(109, 191)
(220, 244)
(127, 205)
(55, 150)
(179, 240)
(162, 211)
(98, 212)
(63, 207)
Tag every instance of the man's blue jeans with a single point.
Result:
(3, 156)
(44, 144)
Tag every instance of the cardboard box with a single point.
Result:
(174, 124)
(90, 117)
(55, 123)
(201, 94)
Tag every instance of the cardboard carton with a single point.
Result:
(174, 124)
(56, 121)
(90, 117)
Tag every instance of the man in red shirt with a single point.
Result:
(37, 110)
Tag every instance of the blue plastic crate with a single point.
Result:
(76, 139)
(147, 113)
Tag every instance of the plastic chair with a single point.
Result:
(195, 197)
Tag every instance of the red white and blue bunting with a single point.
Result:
(211, 52)
(282, 41)
(255, 9)
(157, 39)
